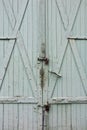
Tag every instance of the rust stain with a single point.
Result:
(42, 76)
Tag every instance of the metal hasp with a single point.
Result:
(47, 107)
(46, 60)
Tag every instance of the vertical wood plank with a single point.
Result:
(21, 117)
(5, 114)
(1, 116)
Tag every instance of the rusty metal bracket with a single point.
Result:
(44, 59)
(46, 107)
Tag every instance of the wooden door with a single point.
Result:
(67, 92)
(43, 73)
(18, 52)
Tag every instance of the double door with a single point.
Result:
(43, 73)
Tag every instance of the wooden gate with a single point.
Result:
(43, 57)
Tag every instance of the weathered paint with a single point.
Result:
(18, 37)
(67, 33)
(43, 57)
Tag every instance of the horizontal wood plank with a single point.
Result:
(77, 38)
(68, 100)
(17, 100)
(8, 38)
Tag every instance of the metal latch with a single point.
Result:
(44, 59)
(46, 107)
